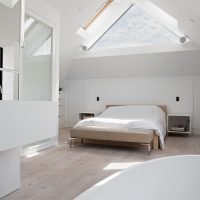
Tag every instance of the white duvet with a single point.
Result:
(130, 117)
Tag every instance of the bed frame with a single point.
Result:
(119, 138)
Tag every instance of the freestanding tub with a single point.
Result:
(170, 178)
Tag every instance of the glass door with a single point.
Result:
(37, 61)
(10, 23)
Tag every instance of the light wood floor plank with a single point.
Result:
(61, 173)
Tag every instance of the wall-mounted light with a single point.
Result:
(9, 3)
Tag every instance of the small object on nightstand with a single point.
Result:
(179, 123)
(87, 114)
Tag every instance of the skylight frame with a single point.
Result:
(148, 7)
(97, 14)
(104, 22)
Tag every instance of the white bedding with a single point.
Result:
(130, 117)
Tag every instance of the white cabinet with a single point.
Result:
(179, 123)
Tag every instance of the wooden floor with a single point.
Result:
(61, 173)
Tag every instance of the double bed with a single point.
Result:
(143, 124)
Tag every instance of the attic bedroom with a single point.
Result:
(99, 99)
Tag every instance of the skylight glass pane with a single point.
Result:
(136, 28)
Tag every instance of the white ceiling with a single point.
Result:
(186, 12)
(180, 9)
(75, 12)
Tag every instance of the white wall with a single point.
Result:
(176, 63)
(81, 95)
(196, 114)
(153, 90)
(155, 78)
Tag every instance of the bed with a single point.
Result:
(127, 124)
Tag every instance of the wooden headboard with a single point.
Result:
(163, 107)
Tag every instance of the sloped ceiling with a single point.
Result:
(75, 12)
(180, 9)
(186, 12)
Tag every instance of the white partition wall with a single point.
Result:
(22, 123)
(40, 74)
(26, 122)
(29, 120)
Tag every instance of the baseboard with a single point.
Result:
(196, 131)
(34, 148)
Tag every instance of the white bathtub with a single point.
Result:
(170, 178)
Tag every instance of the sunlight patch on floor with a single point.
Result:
(32, 155)
(121, 165)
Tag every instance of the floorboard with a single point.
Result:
(61, 173)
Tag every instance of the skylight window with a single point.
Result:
(136, 28)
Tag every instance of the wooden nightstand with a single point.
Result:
(179, 123)
(87, 114)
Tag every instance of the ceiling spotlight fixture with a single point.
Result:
(182, 39)
(8, 3)
(84, 48)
